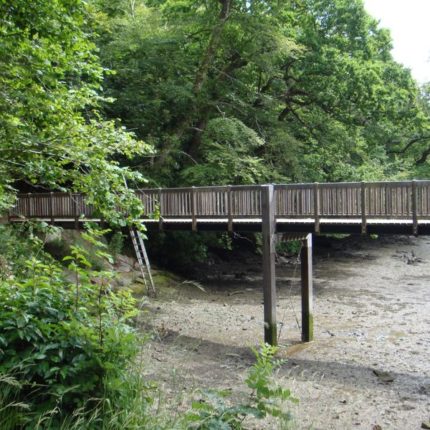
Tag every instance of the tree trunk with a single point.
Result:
(209, 55)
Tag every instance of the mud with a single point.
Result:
(369, 365)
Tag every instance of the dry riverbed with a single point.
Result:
(369, 366)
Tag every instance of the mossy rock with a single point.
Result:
(163, 279)
(59, 247)
(137, 288)
(165, 283)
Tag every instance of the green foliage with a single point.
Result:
(19, 243)
(178, 250)
(290, 247)
(213, 412)
(116, 244)
(267, 399)
(61, 339)
(268, 396)
(316, 96)
(228, 155)
(51, 133)
(67, 350)
(12, 411)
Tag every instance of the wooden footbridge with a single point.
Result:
(294, 209)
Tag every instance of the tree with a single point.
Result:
(313, 79)
(51, 132)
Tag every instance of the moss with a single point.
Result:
(164, 280)
(137, 288)
(270, 335)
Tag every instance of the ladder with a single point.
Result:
(142, 258)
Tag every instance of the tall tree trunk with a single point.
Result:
(199, 115)
(214, 40)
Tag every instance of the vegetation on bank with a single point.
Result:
(69, 350)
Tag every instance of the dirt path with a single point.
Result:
(369, 365)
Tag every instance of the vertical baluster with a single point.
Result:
(51, 207)
(193, 209)
(363, 209)
(317, 207)
(414, 208)
(161, 209)
(230, 209)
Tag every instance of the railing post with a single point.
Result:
(230, 208)
(160, 208)
(193, 209)
(269, 278)
(414, 208)
(317, 207)
(51, 207)
(363, 208)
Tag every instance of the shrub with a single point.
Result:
(20, 242)
(116, 244)
(61, 339)
(267, 398)
(290, 247)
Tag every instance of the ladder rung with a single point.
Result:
(142, 257)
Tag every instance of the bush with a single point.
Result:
(61, 340)
(116, 243)
(267, 399)
(179, 250)
(20, 242)
(67, 354)
(290, 247)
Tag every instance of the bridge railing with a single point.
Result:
(204, 202)
(55, 205)
(393, 200)
(365, 200)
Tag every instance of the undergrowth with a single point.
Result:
(68, 349)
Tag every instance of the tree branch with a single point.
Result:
(408, 145)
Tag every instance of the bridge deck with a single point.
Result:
(373, 207)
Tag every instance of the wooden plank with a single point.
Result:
(414, 208)
(390, 200)
(317, 207)
(30, 205)
(363, 209)
(193, 210)
(161, 209)
(230, 209)
(307, 289)
(269, 278)
(51, 207)
(74, 201)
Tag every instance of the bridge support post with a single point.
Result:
(306, 278)
(269, 278)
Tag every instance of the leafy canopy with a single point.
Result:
(313, 79)
(51, 131)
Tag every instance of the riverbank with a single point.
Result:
(368, 365)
